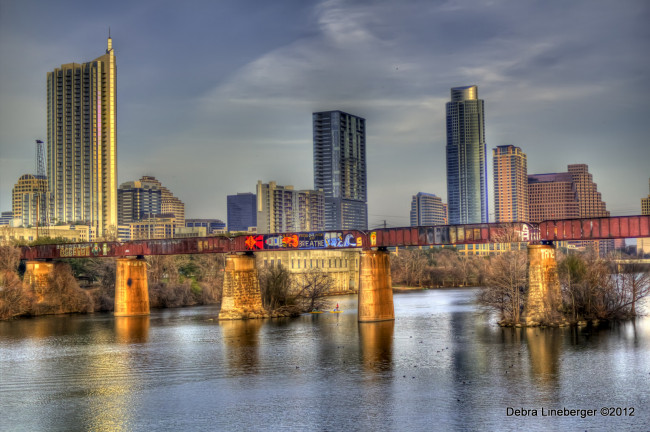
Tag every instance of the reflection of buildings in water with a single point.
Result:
(544, 349)
(115, 378)
(132, 329)
(376, 343)
(241, 339)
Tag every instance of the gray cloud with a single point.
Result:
(214, 97)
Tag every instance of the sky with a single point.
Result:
(213, 96)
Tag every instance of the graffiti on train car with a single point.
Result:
(255, 242)
(303, 241)
(338, 240)
(100, 249)
(74, 250)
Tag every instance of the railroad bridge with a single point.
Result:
(241, 292)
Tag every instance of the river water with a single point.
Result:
(443, 364)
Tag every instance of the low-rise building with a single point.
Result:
(341, 265)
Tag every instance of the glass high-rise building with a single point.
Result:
(466, 165)
(82, 142)
(340, 168)
(242, 211)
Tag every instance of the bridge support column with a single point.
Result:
(131, 287)
(242, 298)
(544, 299)
(375, 287)
(36, 274)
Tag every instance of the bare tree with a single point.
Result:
(276, 285)
(506, 283)
(314, 286)
(15, 300)
(9, 257)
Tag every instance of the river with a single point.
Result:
(443, 364)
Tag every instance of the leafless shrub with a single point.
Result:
(314, 286)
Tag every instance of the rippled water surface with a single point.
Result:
(441, 365)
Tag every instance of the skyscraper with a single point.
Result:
(340, 168)
(427, 209)
(466, 166)
(565, 195)
(242, 211)
(82, 142)
(147, 197)
(552, 196)
(510, 184)
(138, 200)
(281, 209)
(26, 199)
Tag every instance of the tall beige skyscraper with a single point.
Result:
(510, 184)
(82, 142)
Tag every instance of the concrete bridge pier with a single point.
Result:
(36, 275)
(544, 299)
(375, 287)
(241, 298)
(131, 287)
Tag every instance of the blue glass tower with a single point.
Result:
(466, 165)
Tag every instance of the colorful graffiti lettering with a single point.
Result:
(349, 241)
(290, 241)
(67, 251)
(373, 239)
(311, 241)
(255, 242)
(273, 242)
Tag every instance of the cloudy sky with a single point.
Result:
(215, 95)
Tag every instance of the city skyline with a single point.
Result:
(564, 92)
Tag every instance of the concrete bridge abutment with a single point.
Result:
(37, 274)
(544, 299)
(242, 297)
(375, 287)
(131, 287)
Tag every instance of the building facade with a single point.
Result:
(283, 209)
(467, 195)
(552, 196)
(242, 211)
(212, 226)
(82, 142)
(340, 168)
(147, 209)
(427, 209)
(29, 201)
(6, 218)
(590, 201)
(137, 200)
(341, 265)
(510, 184)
